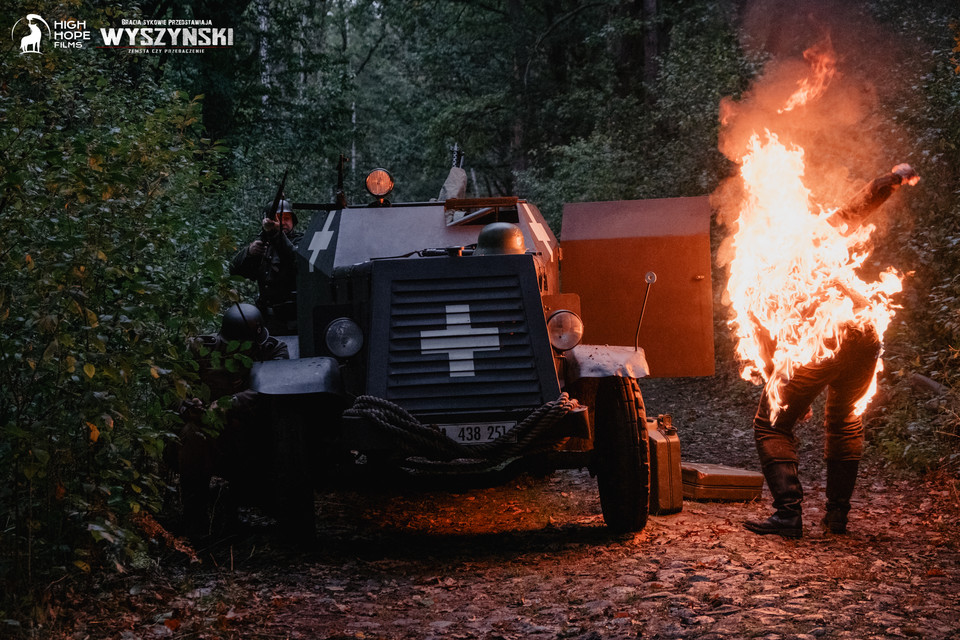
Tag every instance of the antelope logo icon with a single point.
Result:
(30, 43)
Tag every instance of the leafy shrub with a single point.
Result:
(919, 431)
(111, 253)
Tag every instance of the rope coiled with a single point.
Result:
(427, 448)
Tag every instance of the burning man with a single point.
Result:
(847, 374)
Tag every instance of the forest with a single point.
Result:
(128, 178)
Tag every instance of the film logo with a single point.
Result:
(166, 36)
(66, 34)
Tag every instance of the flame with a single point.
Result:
(794, 276)
(824, 62)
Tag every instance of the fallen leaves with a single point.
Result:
(154, 529)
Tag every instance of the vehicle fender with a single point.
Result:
(601, 361)
(294, 377)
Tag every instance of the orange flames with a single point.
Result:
(794, 280)
(824, 63)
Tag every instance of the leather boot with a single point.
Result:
(841, 478)
(784, 483)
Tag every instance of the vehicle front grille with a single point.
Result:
(461, 343)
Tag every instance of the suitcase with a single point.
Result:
(705, 481)
(666, 487)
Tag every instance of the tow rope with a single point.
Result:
(428, 449)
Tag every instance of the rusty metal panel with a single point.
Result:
(608, 247)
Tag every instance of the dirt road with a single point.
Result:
(532, 559)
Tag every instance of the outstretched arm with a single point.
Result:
(873, 195)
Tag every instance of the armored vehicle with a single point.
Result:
(435, 340)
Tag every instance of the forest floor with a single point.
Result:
(532, 559)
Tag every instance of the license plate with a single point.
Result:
(479, 432)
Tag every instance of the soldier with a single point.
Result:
(233, 453)
(271, 260)
(847, 376)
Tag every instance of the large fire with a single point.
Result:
(794, 281)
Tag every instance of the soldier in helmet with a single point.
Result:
(230, 451)
(271, 260)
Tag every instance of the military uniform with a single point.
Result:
(276, 275)
(235, 453)
(847, 376)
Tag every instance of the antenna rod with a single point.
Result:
(650, 278)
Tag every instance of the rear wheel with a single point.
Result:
(622, 454)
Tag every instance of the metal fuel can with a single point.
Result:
(666, 483)
(706, 481)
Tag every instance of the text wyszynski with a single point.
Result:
(168, 37)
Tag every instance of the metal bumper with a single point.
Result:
(296, 377)
(361, 434)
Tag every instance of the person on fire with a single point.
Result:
(232, 451)
(847, 376)
(271, 260)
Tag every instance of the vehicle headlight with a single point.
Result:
(379, 183)
(565, 329)
(343, 337)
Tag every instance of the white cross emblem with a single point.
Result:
(459, 340)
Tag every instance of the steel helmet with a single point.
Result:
(283, 207)
(243, 322)
(499, 238)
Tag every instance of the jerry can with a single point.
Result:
(706, 481)
(666, 483)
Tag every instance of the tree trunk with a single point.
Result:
(651, 42)
(521, 57)
(263, 12)
(638, 48)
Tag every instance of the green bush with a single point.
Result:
(918, 430)
(111, 253)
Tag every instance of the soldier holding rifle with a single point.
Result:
(271, 261)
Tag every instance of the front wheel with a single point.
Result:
(621, 454)
(293, 498)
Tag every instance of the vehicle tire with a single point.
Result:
(621, 454)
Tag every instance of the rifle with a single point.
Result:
(341, 198)
(279, 196)
(272, 213)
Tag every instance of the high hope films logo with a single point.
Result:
(66, 34)
(30, 43)
(133, 36)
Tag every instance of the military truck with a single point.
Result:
(435, 340)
